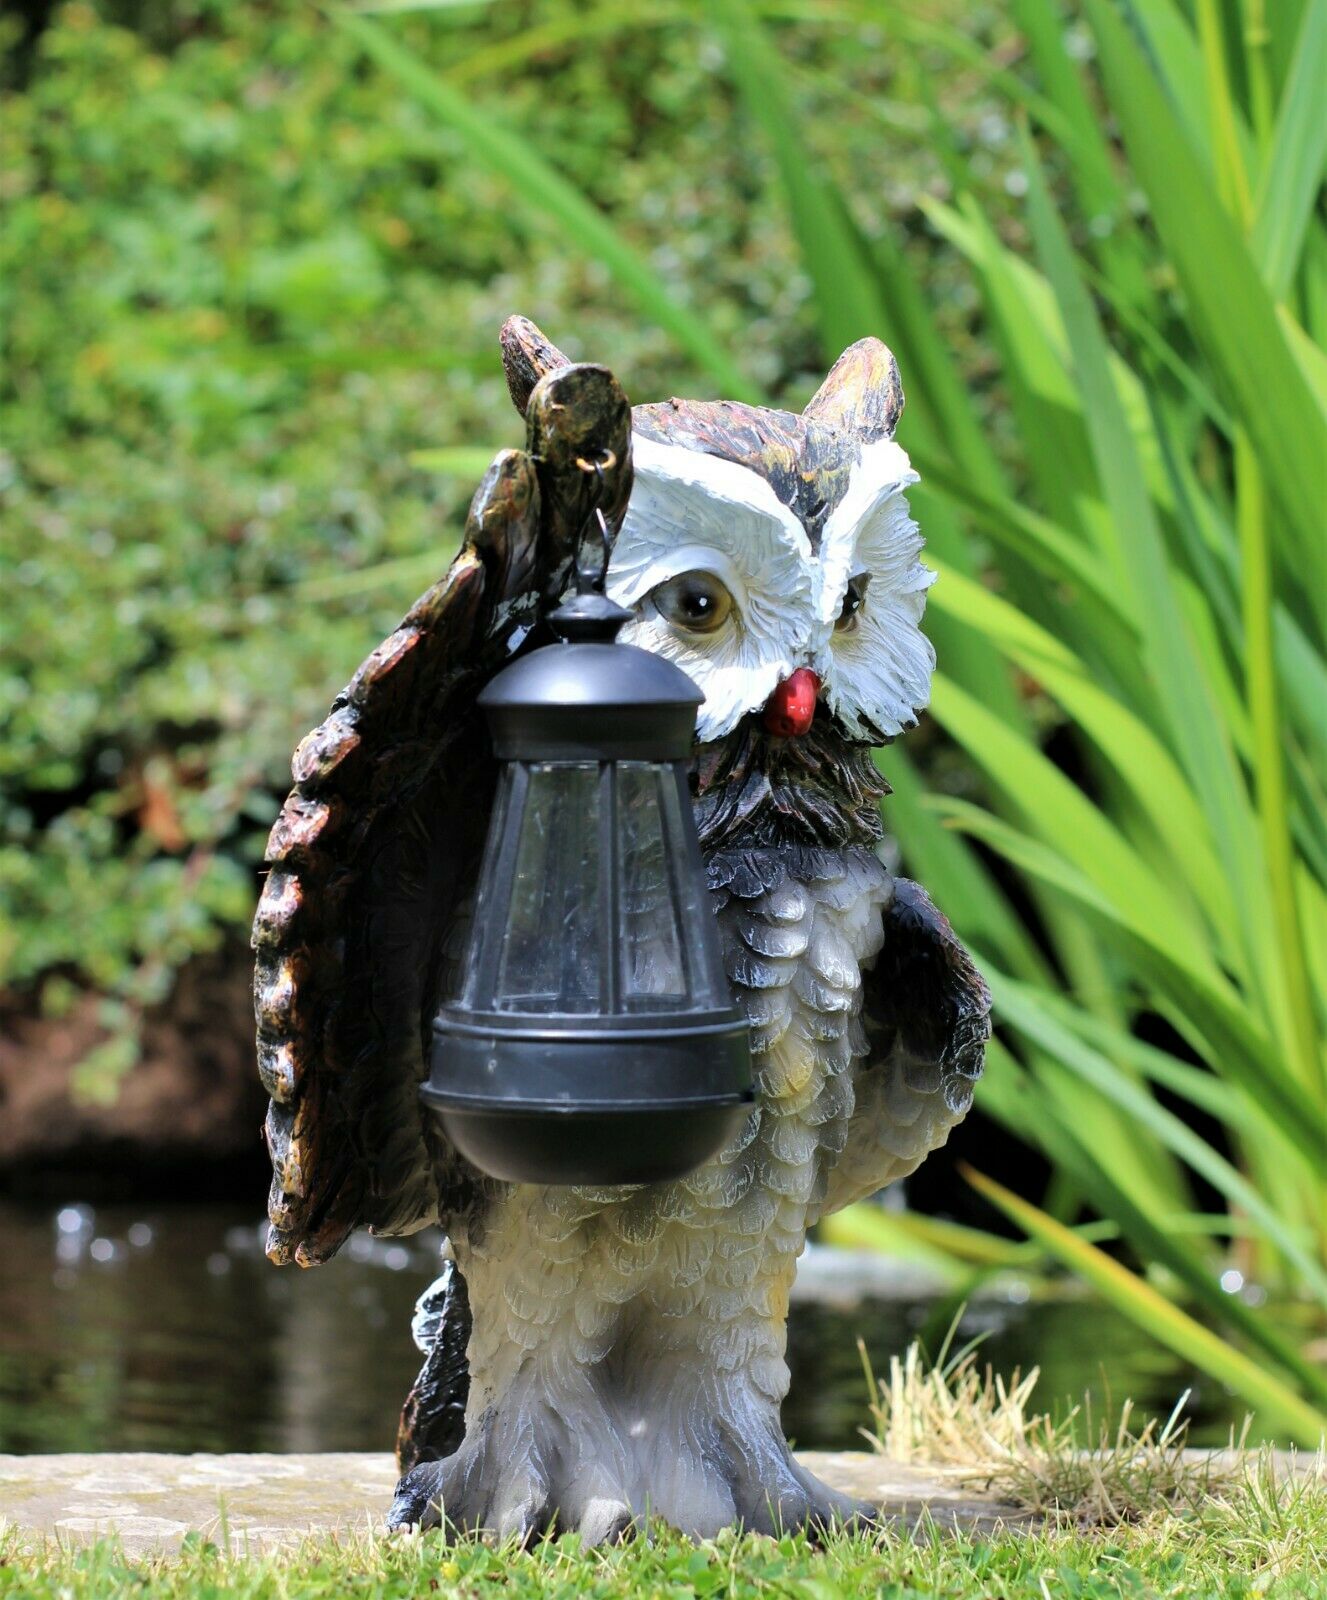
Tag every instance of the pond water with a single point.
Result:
(139, 1330)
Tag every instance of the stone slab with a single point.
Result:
(265, 1502)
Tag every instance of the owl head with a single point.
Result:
(771, 555)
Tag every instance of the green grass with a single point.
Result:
(1259, 1540)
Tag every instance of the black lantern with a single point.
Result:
(593, 1038)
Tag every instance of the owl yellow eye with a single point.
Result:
(852, 603)
(696, 601)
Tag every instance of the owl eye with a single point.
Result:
(696, 601)
(852, 603)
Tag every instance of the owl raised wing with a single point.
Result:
(375, 853)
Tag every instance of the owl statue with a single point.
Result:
(598, 1356)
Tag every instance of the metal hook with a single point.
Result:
(592, 562)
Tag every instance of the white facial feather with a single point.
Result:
(880, 669)
(690, 511)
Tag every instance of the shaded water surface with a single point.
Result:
(140, 1330)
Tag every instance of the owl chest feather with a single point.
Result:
(798, 923)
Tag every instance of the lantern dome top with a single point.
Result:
(589, 697)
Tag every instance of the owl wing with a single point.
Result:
(926, 1016)
(375, 853)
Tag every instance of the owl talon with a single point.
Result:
(418, 1500)
(605, 1521)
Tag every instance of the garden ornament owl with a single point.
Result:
(598, 1356)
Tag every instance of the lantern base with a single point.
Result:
(548, 1146)
(635, 1100)
(591, 1147)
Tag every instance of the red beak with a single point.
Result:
(791, 709)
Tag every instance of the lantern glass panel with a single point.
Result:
(707, 980)
(591, 900)
(550, 959)
(652, 970)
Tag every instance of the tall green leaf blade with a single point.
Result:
(1292, 176)
(1185, 688)
(1040, 391)
(1218, 1020)
(1218, 1099)
(1148, 1228)
(848, 297)
(1133, 752)
(1090, 169)
(1223, 122)
(1043, 543)
(1023, 1008)
(954, 873)
(1270, 764)
(847, 300)
(1058, 812)
(1165, 1322)
(1092, 175)
(1173, 54)
(1232, 314)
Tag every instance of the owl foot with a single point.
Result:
(768, 1492)
(437, 1492)
(773, 1494)
(507, 1494)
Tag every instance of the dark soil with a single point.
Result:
(187, 1117)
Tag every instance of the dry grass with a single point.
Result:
(958, 1414)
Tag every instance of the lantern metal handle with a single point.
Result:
(594, 549)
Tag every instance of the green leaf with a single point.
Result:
(1233, 316)
(1290, 976)
(1193, 985)
(1165, 1322)
(1023, 1007)
(1291, 178)
(1061, 814)
(1036, 539)
(1197, 730)
(1090, 169)
(1149, 1230)
(954, 872)
(847, 299)
(1130, 748)
(1046, 405)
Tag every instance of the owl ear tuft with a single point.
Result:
(526, 357)
(863, 394)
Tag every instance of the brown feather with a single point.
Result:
(527, 356)
(863, 394)
(806, 462)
